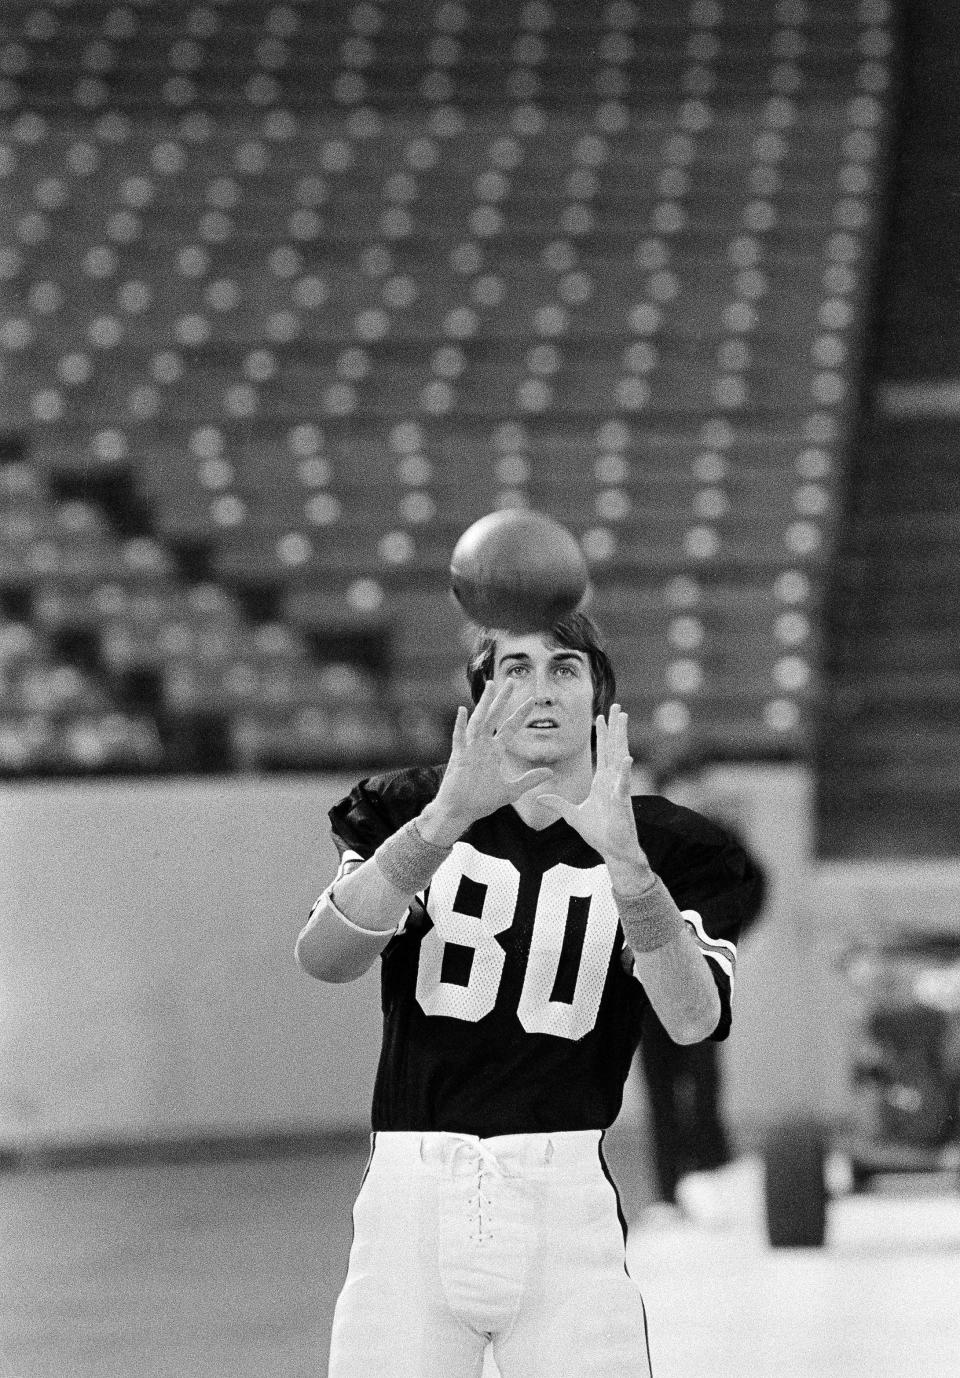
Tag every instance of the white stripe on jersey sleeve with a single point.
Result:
(347, 862)
(720, 950)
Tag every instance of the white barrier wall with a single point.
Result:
(148, 986)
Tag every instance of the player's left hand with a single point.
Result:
(605, 818)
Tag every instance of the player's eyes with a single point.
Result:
(515, 671)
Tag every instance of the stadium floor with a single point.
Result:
(229, 1269)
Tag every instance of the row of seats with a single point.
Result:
(439, 33)
(190, 651)
(293, 293)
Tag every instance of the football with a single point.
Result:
(519, 570)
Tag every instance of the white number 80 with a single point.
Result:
(498, 883)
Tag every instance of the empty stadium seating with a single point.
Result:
(292, 293)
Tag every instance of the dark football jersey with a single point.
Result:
(509, 1000)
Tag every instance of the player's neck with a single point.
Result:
(572, 779)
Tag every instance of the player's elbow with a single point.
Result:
(695, 1031)
(310, 959)
(315, 958)
(696, 1022)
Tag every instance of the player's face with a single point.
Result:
(559, 681)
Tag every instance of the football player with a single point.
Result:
(525, 909)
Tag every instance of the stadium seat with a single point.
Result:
(316, 286)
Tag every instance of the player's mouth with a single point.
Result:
(543, 724)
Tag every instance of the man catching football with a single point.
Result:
(525, 908)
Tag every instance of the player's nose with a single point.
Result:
(543, 691)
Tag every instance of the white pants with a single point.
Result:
(459, 1241)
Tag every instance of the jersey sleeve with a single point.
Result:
(715, 883)
(376, 807)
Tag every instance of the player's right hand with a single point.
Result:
(476, 781)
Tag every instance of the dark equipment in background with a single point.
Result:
(905, 1073)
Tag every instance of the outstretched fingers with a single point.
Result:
(613, 747)
(620, 745)
(602, 736)
(529, 780)
(514, 721)
(460, 727)
(611, 739)
(624, 778)
(481, 709)
(488, 715)
(623, 735)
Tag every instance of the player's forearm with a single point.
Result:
(681, 988)
(355, 917)
(668, 961)
(350, 925)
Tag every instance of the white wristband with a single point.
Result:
(407, 860)
(650, 920)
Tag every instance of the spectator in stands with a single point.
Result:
(697, 1173)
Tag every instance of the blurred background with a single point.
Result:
(292, 293)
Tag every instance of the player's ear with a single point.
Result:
(480, 664)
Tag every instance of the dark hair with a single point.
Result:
(575, 632)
